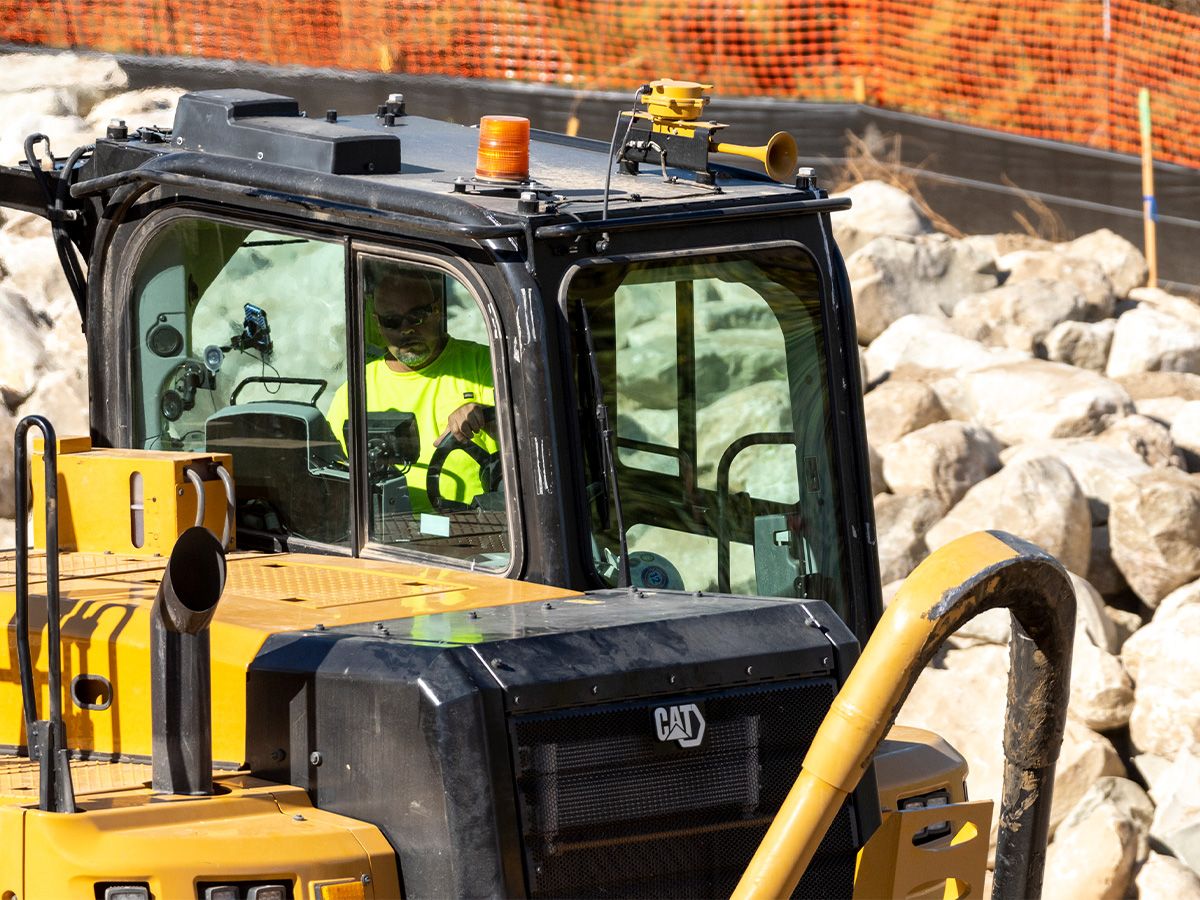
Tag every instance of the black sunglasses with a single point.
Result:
(414, 319)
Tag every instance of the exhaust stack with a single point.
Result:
(181, 758)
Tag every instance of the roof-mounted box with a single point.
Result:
(255, 125)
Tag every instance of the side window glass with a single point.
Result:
(725, 460)
(239, 343)
(432, 441)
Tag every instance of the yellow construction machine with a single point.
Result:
(477, 512)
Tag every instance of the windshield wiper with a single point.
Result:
(605, 435)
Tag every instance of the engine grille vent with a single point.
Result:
(610, 810)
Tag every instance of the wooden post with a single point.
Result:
(1149, 207)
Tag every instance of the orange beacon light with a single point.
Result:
(503, 149)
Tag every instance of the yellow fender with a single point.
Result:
(973, 574)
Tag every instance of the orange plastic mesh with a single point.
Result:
(1067, 70)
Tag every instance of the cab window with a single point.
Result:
(713, 369)
(431, 436)
(239, 345)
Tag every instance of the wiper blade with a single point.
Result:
(605, 434)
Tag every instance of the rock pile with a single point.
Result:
(1011, 383)
(1040, 389)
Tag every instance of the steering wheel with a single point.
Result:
(489, 470)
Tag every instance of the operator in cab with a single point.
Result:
(445, 382)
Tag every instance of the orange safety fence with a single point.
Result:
(1066, 70)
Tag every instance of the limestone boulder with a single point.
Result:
(1165, 876)
(1148, 438)
(21, 348)
(894, 277)
(85, 80)
(1038, 500)
(1081, 344)
(1181, 596)
(1165, 667)
(1099, 468)
(1146, 340)
(1020, 314)
(1086, 275)
(1185, 432)
(1101, 691)
(1093, 854)
(945, 458)
(62, 397)
(900, 524)
(897, 407)
(877, 209)
(1033, 400)
(1154, 385)
(927, 345)
(1121, 261)
(1154, 531)
(1102, 572)
(1176, 824)
(1183, 308)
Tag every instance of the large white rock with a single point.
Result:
(1101, 692)
(62, 397)
(84, 80)
(947, 458)
(1154, 385)
(21, 353)
(897, 407)
(894, 277)
(1171, 304)
(1181, 596)
(1093, 853)
(1146, 340)
(900, 523)
(1085, 274)
(877, 209)
(1149, 439)
(1185, 432)
(929, 344)
(1154, 531)
(1038, 500)
(1098, 467)
(1164, 664)
(1081, 344)
(1020, 314)
(1164, 876)
(1121, 261)
(1177, 806)
(1033, 399)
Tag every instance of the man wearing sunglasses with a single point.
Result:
(444, 381)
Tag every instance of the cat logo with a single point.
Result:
(683, 723)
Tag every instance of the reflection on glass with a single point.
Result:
(715, 366)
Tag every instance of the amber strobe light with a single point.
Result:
(503, 149)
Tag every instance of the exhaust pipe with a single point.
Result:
(181, 760)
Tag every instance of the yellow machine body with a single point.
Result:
(251, 831)
(126, 501)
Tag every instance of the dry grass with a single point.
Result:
(876, 157)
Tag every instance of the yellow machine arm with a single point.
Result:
(978, 572)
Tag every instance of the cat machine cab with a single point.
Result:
(530, 475)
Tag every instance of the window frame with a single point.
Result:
(354, 243)
(841, 457)
(468, 278)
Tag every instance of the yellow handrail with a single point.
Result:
(975, 573)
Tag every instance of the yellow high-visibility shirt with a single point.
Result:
(461, 374)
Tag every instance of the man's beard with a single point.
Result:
(414, 355)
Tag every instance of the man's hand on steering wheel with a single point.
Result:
(467, 421)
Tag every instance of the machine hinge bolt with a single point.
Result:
(472, 615)
(117, 130)
(749, 670)
(364, 878)
(297, 818)
(825, 661)
(331, 115)
(528, 204)
(380, 628)
(549, 606)
(315, 758)
(318, 627)
(806, 178)
(278, 754)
